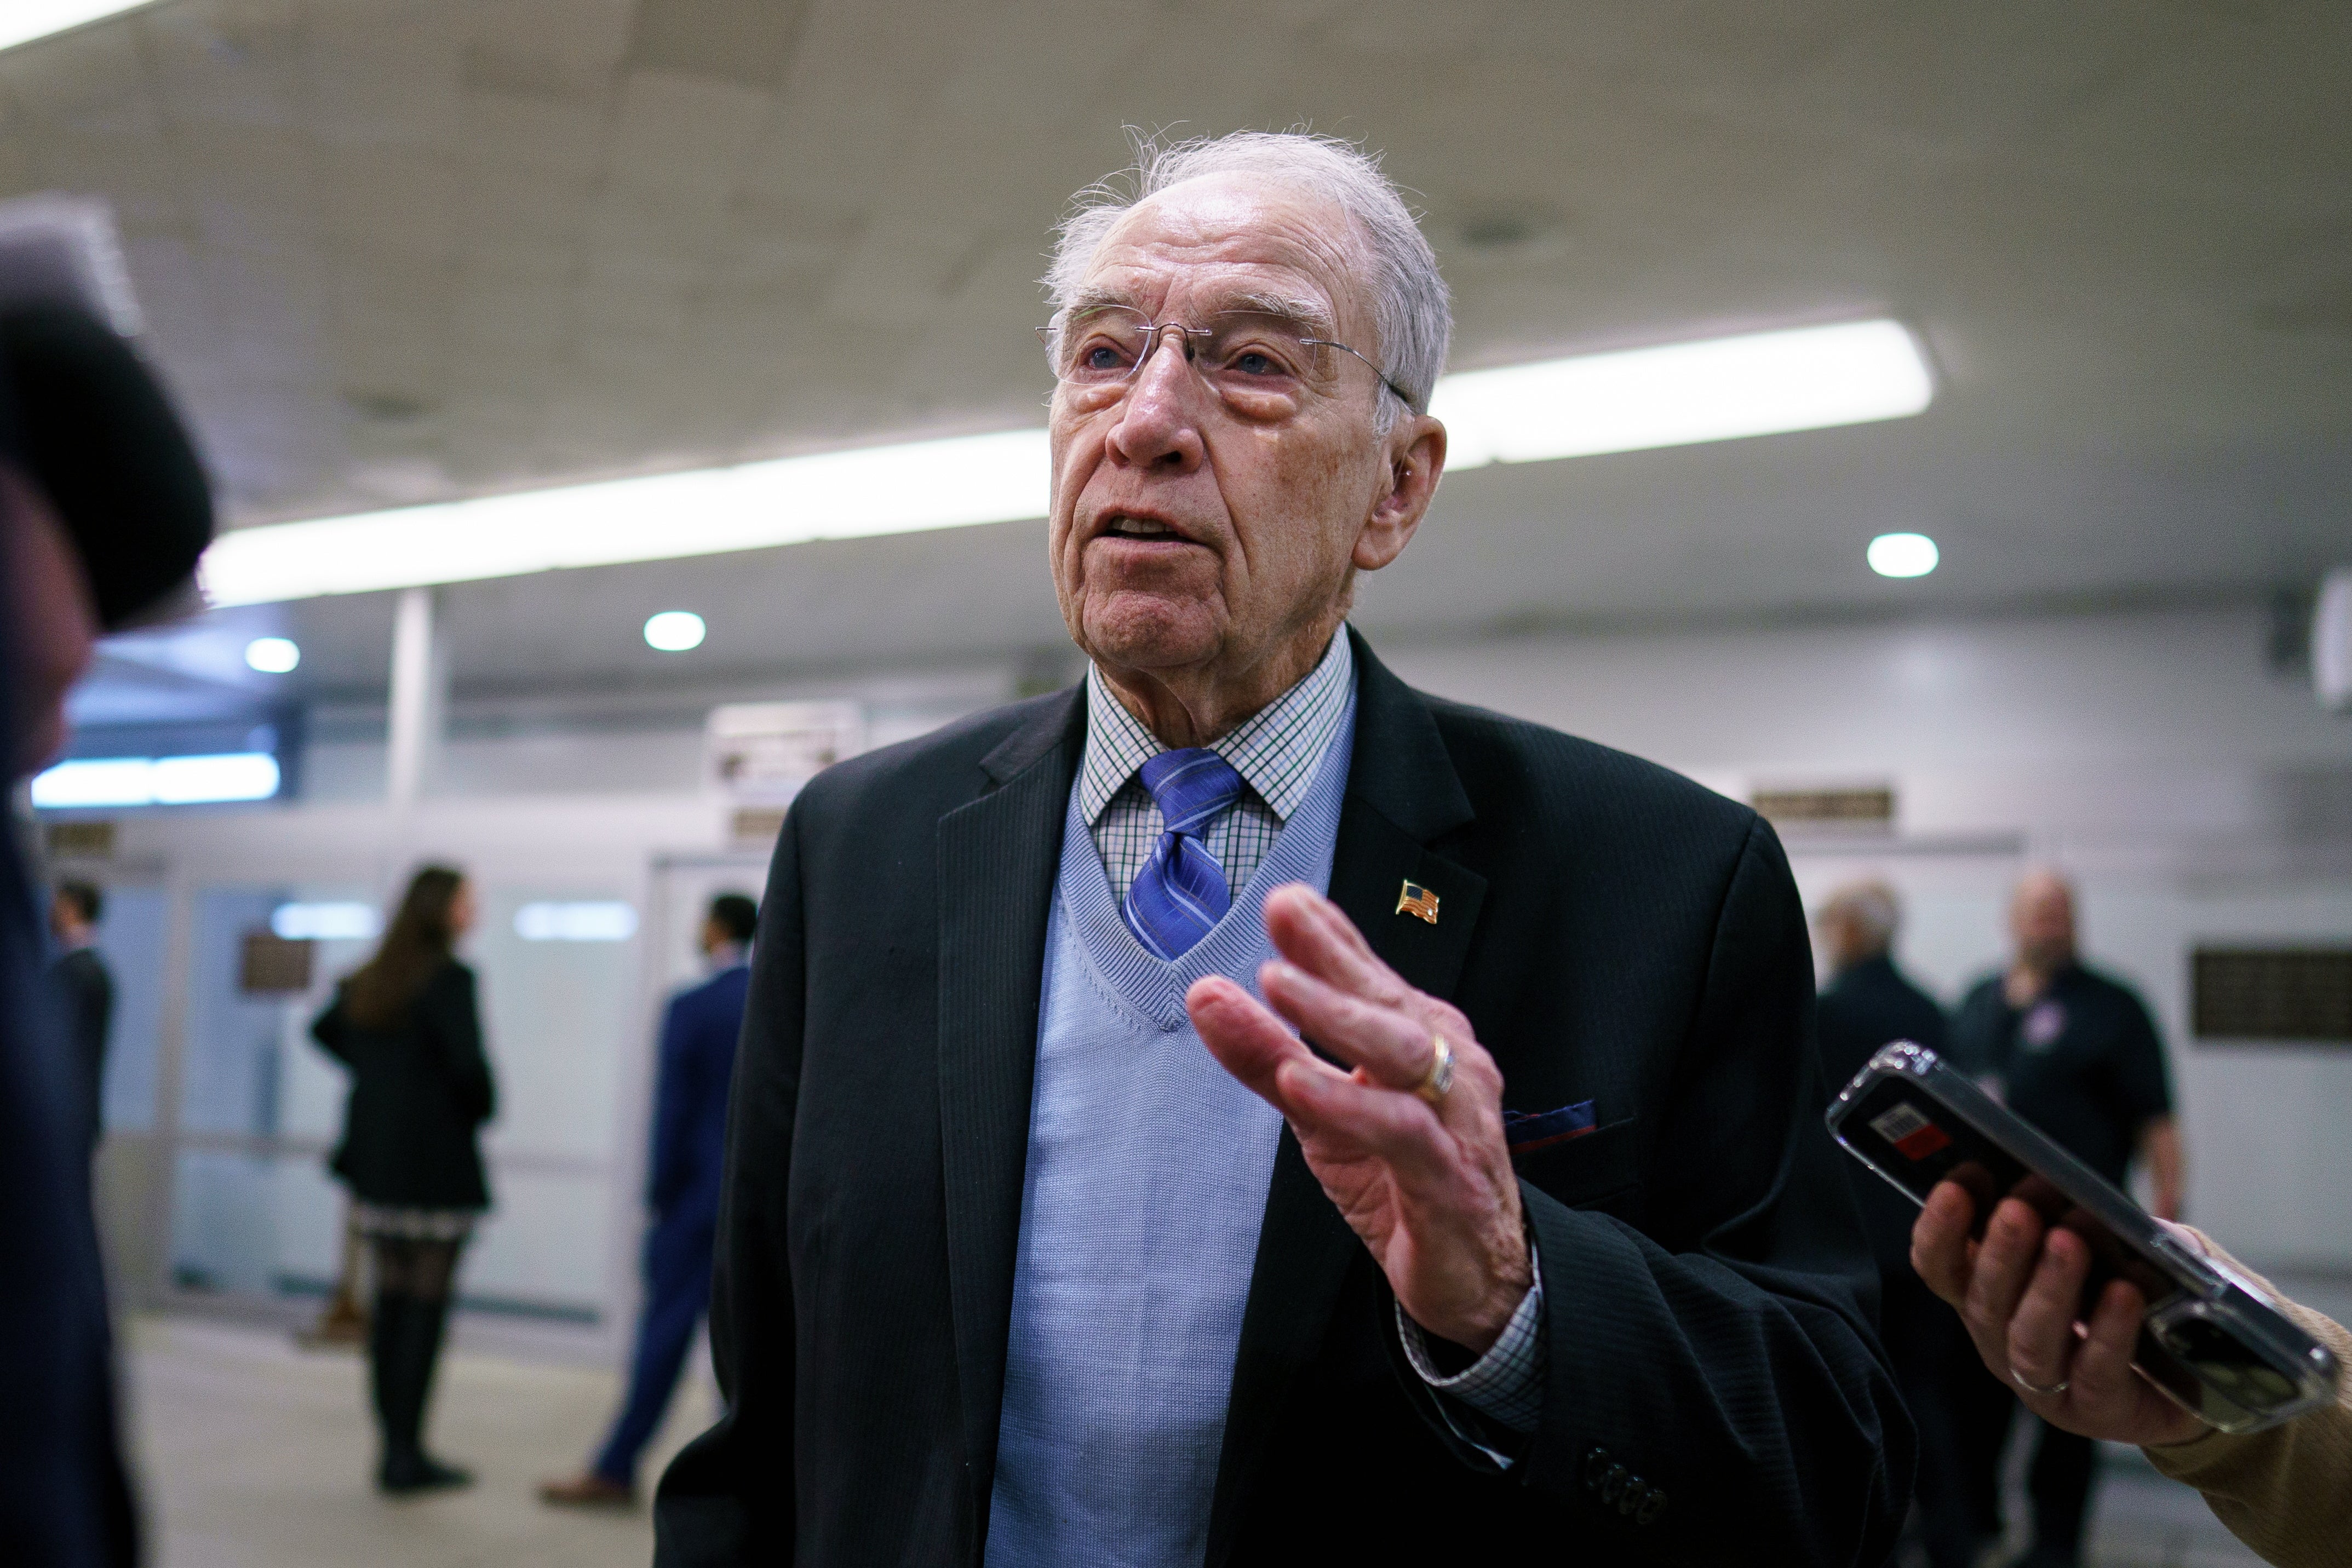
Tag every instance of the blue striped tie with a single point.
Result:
(1181, 893)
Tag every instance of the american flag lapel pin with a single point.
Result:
(1414, 899)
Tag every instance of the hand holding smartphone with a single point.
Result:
(2209, 1340)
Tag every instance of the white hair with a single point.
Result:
(1398, 270)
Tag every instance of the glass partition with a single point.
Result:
(253, 1211)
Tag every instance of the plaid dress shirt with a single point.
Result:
(1277, 752)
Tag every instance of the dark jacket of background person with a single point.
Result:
(2094, 1085)
(1868, 1005)
(697, 1059)
(1614, 933)
(89, 993)
(420, 1090)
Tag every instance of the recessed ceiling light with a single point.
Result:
(1903, 555)
(674, 631)
(272, 655)
(22, 21)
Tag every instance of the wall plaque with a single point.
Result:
(1872, 806)
(271, 965)
(2249, 994)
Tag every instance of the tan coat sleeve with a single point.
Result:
(2286, 1492)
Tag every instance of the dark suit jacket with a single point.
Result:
(699, 1030)
(1615, 934)
(89, 993)
(1868, 1005)
(420, 1092)
(65, 1498)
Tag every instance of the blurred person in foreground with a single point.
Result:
(690, 1144)
(103, 513)
(1869, 1003)
(408, 1026)
(83, 978)
(1046, 1237)
(2076, 1053)
(2286, 1492)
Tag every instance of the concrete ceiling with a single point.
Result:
(402, 250)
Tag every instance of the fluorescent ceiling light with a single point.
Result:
(339, 922)
(22, 21)
(157, 780)
(1903, 555)
(584, 922)
(972, 479)
(1761, 383)
(674, 631)
(1757, 384)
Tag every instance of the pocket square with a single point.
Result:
(1527, 1131)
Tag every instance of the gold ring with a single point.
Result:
(2057, 1388)
(1440, 1077)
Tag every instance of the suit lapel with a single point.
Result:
(998, 858)
(1402, 792)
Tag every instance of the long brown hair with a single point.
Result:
(417, 944)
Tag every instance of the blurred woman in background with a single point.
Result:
(406, 1025)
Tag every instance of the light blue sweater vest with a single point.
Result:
(1146, 1184)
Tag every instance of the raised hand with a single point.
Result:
(1429, 1187)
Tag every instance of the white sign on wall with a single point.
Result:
(760, 754)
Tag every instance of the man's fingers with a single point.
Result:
(2102, 1377)
(1388, 1044)
(1316, 933)
(2005, 1262)
(1246, 1040)
(1352, 1120)
(2041, 1330)
(1940, 1242)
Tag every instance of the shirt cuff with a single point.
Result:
(1506, 1385)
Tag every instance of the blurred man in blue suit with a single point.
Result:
(689, 1139)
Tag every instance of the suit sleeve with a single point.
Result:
(675, 1092)
(727, 1501)
(1714, 1384)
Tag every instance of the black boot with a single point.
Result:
(406, 1343)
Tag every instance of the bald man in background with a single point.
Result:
(2075, 1052)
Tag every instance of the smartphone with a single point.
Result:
(2212, 1341)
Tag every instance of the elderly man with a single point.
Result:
(1241, 1110)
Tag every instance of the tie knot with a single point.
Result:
(1190, 787)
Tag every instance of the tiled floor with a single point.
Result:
(256, 1455)
(253, 1454)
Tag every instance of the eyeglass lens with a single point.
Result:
(1240, 349)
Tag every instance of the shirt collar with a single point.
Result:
(1275, 751)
